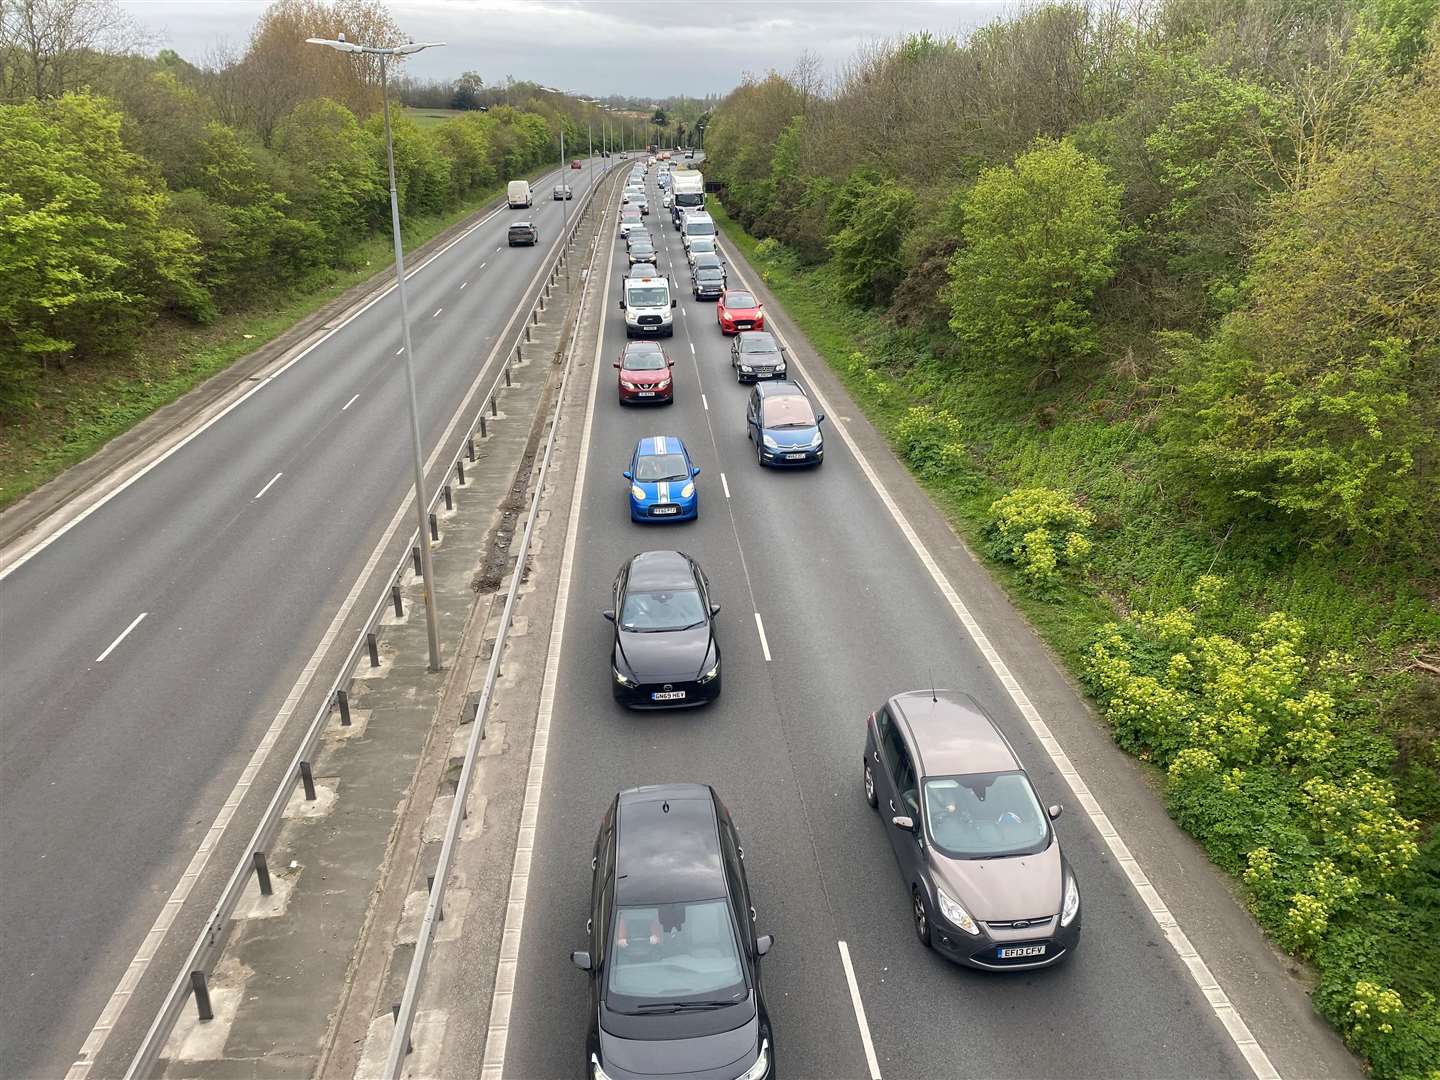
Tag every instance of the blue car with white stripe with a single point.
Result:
(662, 481)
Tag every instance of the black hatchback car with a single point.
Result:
(523, 232)
(665, 653)
(755, 355)
(674, 961)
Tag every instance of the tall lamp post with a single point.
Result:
(432, 629)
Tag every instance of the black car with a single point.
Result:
(563, 192)
(665, 653)
(755, 354)
(708, 282)
(674, 960)
(642, 251)
(523, 232)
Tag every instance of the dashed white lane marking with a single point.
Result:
(400, 350)
(1220, 1003)
(497, 249)
(705, 402)
(684, 312)
(483, 265)
(463, 284)
(437, 312)
(725, 484)
(859, 1012)
(111, 647)
(764, 645)
(692, 348)
(268, 486)
(349, 403)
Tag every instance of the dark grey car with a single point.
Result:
(989, 886)
(523, 232)
(755, 354)
(708, 282)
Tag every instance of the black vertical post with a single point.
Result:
(202, 995)
(415, 558)
(449, 502)
(262, 874)
(398, 602)
(470, 444)
(395, 1012)
(434, 528)
(374, 647)
(460, 468)
(342, 699)
(307, 780)
(482, 423)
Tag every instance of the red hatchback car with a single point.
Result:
(575, 164)
(645, 373)
(739, 310)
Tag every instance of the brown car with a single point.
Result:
(989, 887)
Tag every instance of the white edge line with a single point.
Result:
(41, 545)
(507, 965)
(267, 487)
(400, 350)
(111, 647)
(859, 1006)
(1150, 899)
(692, 348)
(438, 310)
(463, 284)
(703, 401)
(725, 484)
(764, 644)
(349, 403)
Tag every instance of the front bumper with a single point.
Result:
(639, 697)
(708, 292)
(647, 397)
(663, 329)
(675, 510)
(758, 373)
(734, 326)
(982, 952)
(787, 456)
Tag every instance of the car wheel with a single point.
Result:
(759, 455)
(870, 796)
(920, 917)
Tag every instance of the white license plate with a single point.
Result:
(645, 393)
(665, 510)
(1014, 952)
(667, 695)
(742, 326)
(795, 457)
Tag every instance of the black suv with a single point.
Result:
(674, 961)
(523, 232)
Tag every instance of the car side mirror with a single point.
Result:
(581, 959)
(672, 301)
(622, 305)
(617, 362)
(819, 418)
(608, 614)
(903, 821)
(1055, 811)
(714, 608)
(669, 363)
(694, 470)
(628, 475)
(764, 943)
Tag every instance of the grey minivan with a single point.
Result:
(989, 887)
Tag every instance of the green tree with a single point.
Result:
(869, 217)
(334, 175)
(1040, 238)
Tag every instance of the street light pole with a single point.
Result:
(432, 628)
(565, 205)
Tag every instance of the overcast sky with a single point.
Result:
(636, 47)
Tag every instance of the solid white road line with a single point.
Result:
(266, 488)
(692, 348)
(859, 1006)
(437, 312)
(764, 645)
(111, 647)
(1220, 1004)
(703, 401)
(349, 403)
(497, 1034)
(725, 484)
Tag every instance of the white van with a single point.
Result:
(696, 225)
(647, 303)
(517, 194)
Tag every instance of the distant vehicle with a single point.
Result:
(739, 310)
(667, 200)
(708, 282)
(643, 202)
(649, 307)
(674, 963)
(784, 426)
(989, 886)
(563, 192)
(756, 355)
(631, 220)
(665, 653)
(645, 374)
(643, 251)
(662, 480)
(696, 225)
(523, 233)
(700, 245)
(517, 194)
(575, 163)
(688, 186)
(632, 195)
(635, 235)
(704, 262)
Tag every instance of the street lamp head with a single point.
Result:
(416, 46)
(339, 44)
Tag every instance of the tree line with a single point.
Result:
(136, 188)
(1236, 198)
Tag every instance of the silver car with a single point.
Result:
(989, 887)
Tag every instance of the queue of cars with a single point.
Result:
(674, 957)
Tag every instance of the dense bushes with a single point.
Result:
(1039, 530)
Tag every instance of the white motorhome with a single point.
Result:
(517, 194)
(648, 307)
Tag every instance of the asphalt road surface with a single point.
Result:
(849, 617)
(238, 550)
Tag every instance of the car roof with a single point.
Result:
(667, 847)
(756, 336)
(653, 445)
(522, 224)
(652, 280)
(661, 570)
(643, 346)
(952, 734)
(780, 388)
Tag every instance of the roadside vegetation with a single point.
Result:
(1151, 305)
(159, 219)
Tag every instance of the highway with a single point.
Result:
(849, 615)
(146, 652)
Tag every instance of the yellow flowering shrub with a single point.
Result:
(1039, 530)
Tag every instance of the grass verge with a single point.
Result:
(1275, 685)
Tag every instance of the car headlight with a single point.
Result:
(637, 492)
(687, 490)
(596, 1072)
(712, 674)
(762, 1063)
(662, 384)
(622, 679)
(954, 913)
(816, 440)
(770, 442)
(1071, 905)
(746, 367)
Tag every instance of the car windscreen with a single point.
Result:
(670, 953)
(656, 467)
(699, 228)
(647, 296)
(642, 247)
(985, 815)
(758, 343)
(702, 244)
(707, 259)
(644, 360)
(740, 300)
(709, 273)
(789, 411)
(650, 612)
